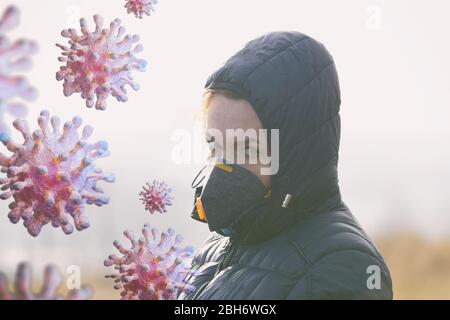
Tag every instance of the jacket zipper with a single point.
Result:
(229, 251)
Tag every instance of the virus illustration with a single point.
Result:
(140, 7)
(99, 63)
(156, 196)
(14, 57)
(52, 282)
(52, 175)
(154, 268)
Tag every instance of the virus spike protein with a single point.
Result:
(52, 175)
(156, 196)
(14, 57)
(52, 281)
(154, 268)
(140, 7)
(99, 63)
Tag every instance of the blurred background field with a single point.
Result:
(420, 267)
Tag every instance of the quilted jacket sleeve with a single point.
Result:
(345, 274)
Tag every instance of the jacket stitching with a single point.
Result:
(307, 274)
(346, 231)
(315, 77)
(340, 251)
(263, 269)
(273, 56)
(319, 127)
(299, 250)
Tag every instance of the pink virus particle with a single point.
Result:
(99, 63)
(156, 196)
(49, 291)
(154, 268)
(14, 57)
(52, 175)
(140, 7)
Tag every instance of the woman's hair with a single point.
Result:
(210, 93)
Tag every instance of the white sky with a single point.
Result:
(392, 58)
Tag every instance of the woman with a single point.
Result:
(286, 235)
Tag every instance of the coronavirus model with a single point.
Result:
(99, 63)
(49, 291)
(52, 175)
(14, 57)
(156, 196)
(154, 268)
(140, 7)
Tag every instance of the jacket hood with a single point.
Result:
(291, 81)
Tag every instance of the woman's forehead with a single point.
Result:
(227, 113)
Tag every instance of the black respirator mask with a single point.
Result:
(223, 193)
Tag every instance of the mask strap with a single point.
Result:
(196, 183)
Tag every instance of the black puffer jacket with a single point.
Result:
(314, 249)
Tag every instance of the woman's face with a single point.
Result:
(227, 113)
